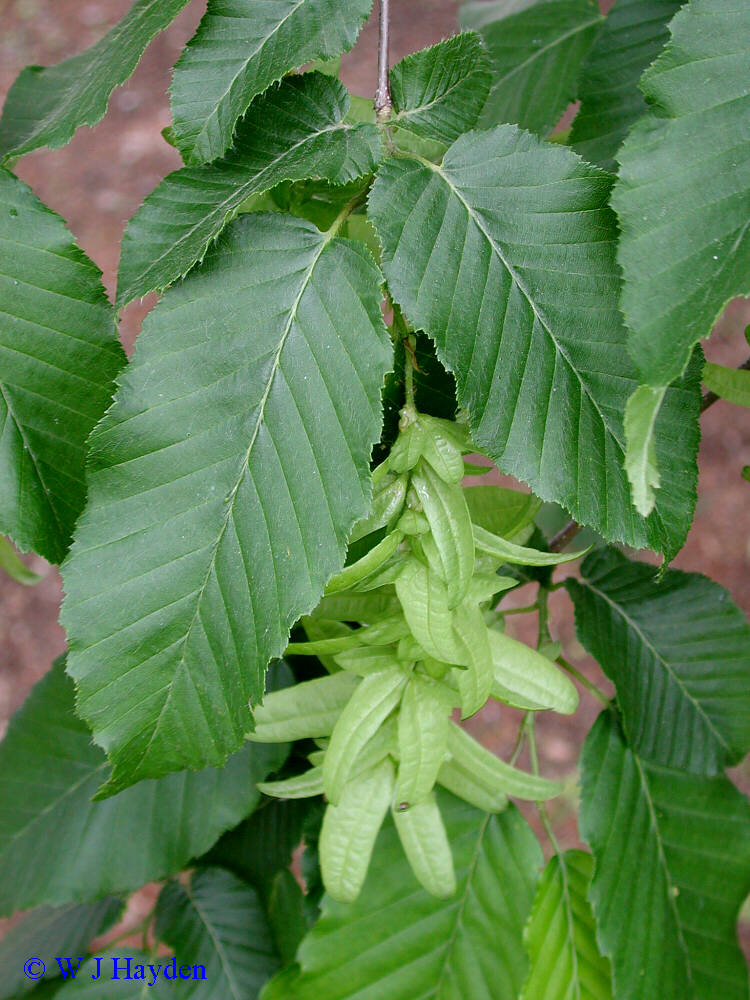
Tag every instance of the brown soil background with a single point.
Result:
(98, 181)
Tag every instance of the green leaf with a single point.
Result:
(12, 565)
(95, 979)
(46, 105)
(633, 35)
(678, 652)
(48, 932)
(536, 50)
(286, 914)
(49, 770)
(641, 413)
(684, 202)
(59, 355)
(222, 485)
(295, 131)
(560, 936)
(672, 853)
(536, 341)
(732, 384)
(240, 48)
(218, 921)
(263, 844)
(469, 946)
(439, 92)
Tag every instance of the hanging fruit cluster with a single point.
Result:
(408, 634)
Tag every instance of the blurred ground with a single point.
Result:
(97, 182)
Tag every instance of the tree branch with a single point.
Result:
(383, 102)
(564, 537)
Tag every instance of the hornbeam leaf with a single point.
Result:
(222, 484)
(218, 921)
(59, 355)
(294, 131)
(49, 770)
(678, 652)
(683, 193)
(672, 853)
(561, 935)
(46, 105)
(633, 35)
(536, 50)
(439, 92)
(48, 932)
(240, 48)
(505, 255)
(397, 941)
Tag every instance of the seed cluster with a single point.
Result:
(409, 634)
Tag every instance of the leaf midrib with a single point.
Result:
(647, 642)
(222, 97)
(248, 188)
(181, 664)
(516, 279)
(558, 40)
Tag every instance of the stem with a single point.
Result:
(383, 102)
(142, 927)
(541, 806)
(709, 398)
(564, 537)
(584, 681)
(518, 745)
(520, 611)
(409, 374)
(543, 635)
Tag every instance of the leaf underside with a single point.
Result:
(633, 35)
(294, 131)
(49, 771)
(683, 193)
(397, 941)
(46, 105)
(218, 921)
(223, 483)
(672, 854)
(536, 51)
(59, 355)
(48, 932)
(505, 255)
(678, 652)
(240, 48)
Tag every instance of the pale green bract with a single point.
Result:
(467, 946)
(222, 484)
(240, 48)
(535, 340)
(536, 51)
(294, 131)
(76, 92)
(732, 384)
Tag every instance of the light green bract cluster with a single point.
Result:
(427, 641)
